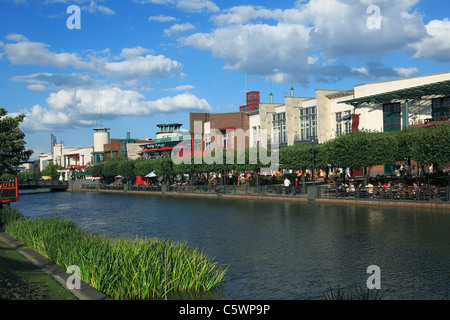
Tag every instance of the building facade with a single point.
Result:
(378, 106)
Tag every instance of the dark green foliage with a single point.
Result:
(12, 146)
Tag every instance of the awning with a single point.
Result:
(156, 149)
(150, 175)
(146, 150)
(414, 93)
(81, 173)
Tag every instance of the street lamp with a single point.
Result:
(313, 160)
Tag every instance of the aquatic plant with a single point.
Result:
(356, 294)
(141, 268)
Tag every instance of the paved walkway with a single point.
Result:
(86, 292)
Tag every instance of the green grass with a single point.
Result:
(22, 280)
(120, 268)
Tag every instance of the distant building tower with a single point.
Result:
(292, 91)
(271, 97)
(252, 102)
(101, 137)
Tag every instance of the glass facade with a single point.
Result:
(308, 123)
(392, 117)
(279, 128)
(440, 108)
(343, 123)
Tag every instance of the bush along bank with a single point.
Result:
(124, 269)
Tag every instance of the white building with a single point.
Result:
(71, 158)
(379, 106)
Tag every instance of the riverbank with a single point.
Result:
(21, 279)
(27, 275)
(309, 194)
(140, 268)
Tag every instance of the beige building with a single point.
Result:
(378, 106)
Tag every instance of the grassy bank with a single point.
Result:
(20, 279)
(140, 268)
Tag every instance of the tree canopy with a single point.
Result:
(12, 143)
(356, 150)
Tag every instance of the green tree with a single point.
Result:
(126, 168)
(110, 168)
(12, 146)
(143, 167)
(97, 170)
(51, 170)
(362, 150)
(432, 145)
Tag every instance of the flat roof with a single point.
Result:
(413, 93)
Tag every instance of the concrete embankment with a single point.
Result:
(310, 197)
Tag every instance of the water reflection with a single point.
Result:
(278, 250)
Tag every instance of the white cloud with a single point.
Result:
(162, 18)
(256, 48)
(435, 45)
(181, 88)
(178, 28)
(188, 5)
(243, 14)
(133, 52)
(313, 39)
(94, 7)
(361, 70)
(37, 87)
(142, 67)
(79, 107)
(197, 5)
(406, 72)
(40, 80)
(132, 63)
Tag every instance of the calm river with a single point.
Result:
(278, 250)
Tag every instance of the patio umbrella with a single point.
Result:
(151, 175)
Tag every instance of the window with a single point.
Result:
(308, 123)
(343, 123)
(279, 128)
(207, 141)
(338, 124)
(256, 132)
(391, 117)
(227, 136)
(440, 108)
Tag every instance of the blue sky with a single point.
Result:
(144, 62)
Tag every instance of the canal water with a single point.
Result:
(277, 250)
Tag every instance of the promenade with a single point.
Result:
(319, 192)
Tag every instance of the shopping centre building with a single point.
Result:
(378, 106)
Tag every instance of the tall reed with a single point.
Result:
(121, 268)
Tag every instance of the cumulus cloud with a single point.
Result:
(188, 5)
(313, 39)
(435, 45)
(95, 85)
(94, 7)
(178, 28)
(406, 72)
(45, 81)
(70, 108)
(132, 63)
(162, 18)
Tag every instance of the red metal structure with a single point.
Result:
(9, 191)
(252, 102)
